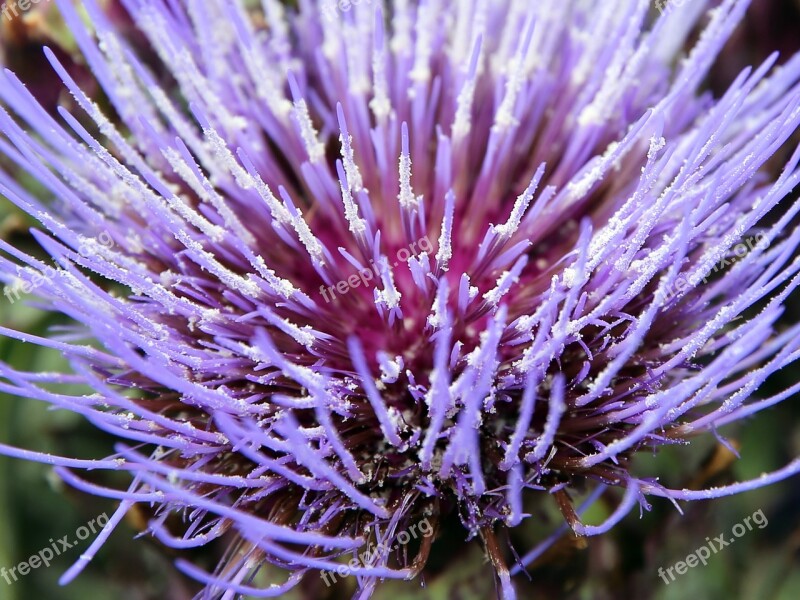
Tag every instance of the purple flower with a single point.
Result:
(351, 269)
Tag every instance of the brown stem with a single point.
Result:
(566, 508)
(421, 559)
(495, 555)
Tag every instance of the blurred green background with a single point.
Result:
(764, 564)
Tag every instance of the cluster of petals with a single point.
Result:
(577, 191)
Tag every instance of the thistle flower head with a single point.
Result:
(349, 269)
